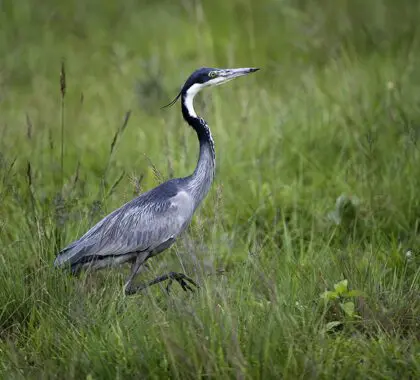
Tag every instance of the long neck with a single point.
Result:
(200, 181)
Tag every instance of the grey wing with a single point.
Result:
(140, 225)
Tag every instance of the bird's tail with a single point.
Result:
(69, 256)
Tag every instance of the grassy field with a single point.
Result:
(292, 286)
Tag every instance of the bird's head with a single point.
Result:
(207, 77)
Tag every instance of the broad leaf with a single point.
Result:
(354, 293)
(329, 295)
(330, 325)
(348, 308)
(341, 287)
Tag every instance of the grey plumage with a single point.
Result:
(142, 224)
(151, 223)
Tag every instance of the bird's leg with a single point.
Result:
(181, 278)
(135, 266)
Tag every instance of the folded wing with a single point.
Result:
(140, 225)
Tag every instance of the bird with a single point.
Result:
(151, 223)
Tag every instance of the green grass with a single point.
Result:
(335, 110)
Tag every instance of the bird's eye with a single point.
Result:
(212, 74)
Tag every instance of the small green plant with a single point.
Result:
(340, 302)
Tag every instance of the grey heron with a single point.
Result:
(150, 223)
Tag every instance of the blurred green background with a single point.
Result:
(333, 116)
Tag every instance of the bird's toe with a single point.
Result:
(183, 280)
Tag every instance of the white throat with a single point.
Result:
(196, 88)
(189, 98)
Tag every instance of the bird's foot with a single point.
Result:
(181, 278)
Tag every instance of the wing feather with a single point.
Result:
(140, 225)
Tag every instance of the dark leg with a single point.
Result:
(135, 266)
(181, 278)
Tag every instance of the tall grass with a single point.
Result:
(317, 182)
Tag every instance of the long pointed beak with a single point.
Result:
(234, 73)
